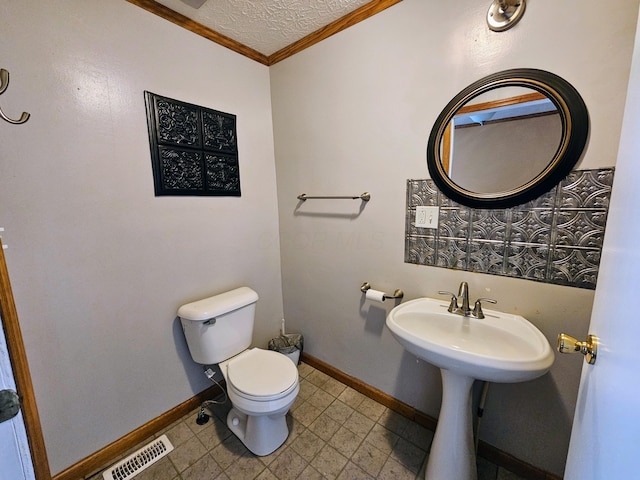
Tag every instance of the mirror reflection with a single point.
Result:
(501, 139)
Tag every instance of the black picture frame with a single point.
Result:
(194, 150)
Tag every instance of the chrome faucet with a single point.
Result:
(460, 303)
(463, 296)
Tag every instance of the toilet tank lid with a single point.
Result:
(218, 304)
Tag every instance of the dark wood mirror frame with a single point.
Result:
(575, 131)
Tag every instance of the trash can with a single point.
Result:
(289, 344)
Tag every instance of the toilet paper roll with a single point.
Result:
(374, 295)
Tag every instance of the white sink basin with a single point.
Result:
(498, 348)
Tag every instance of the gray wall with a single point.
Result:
(353, 114)
(498, 157)
(98, 264)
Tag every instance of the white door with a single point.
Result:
(15, 458)
(605, 440)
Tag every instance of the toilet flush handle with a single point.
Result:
(210, 321)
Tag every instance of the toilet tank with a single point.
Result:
(219, 327)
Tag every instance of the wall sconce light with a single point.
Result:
(504, 14)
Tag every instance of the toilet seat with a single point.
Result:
(262, 375)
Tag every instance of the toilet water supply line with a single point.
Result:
(202, 416)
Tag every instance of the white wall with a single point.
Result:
(99, 265)
(353, 114)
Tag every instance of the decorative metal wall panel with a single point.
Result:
(194, 150)
(556, 238)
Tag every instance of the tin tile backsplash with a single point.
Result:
(556, 238)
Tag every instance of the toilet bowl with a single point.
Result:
(262, 385)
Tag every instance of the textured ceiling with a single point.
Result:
(266, 26)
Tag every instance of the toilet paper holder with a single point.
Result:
(396, 294)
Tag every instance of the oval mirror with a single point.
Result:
(507, 138)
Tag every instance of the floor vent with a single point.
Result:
(139, 460)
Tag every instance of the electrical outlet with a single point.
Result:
(427, 217)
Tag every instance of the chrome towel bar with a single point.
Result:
(365, 197)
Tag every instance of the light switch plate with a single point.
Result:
(427, 217)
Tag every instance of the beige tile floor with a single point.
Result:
(335, 433)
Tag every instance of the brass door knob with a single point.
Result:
(589, 348)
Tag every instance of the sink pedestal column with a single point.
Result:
(452, 455)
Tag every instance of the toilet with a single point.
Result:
(261, 384)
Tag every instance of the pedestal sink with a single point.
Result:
(498, 348)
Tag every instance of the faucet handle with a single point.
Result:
(453, 306)
(477, 308)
